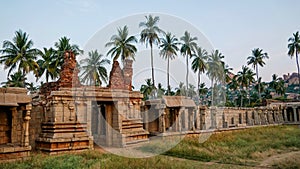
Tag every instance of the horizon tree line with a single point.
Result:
(19, 54)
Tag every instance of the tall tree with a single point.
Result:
(19, 54)
(62, 46)
(122, 45)
(181, 90)
(149, 35)
(47, 64)
(199, 63)
(168, 51)
(93, 67)
(244, 78)
(257, 59)
(148, 89)
(187, 49)
(294, 50)
(16, 80)
(215, 69)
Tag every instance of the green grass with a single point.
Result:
(237, 149)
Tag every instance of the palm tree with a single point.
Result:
(199, 63)
(149, 35)
(250, 77)
(47, 64)
(257, 59)
(181, 90)
(93, 68)
(147, 89)
(244, 78)
(233, 85)
(16, 80)
(203, 90)
(168, 51)
(122, 45)
(191, 91)
(62, 46)
(187, 49)
(215, 69)
(160, 90)
(19, 54)
(294, 50)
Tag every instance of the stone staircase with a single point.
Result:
(133, 132)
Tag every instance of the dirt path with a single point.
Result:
(277, 158)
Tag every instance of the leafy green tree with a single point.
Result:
(150, 35)
(160, 90)
(181, 90)
(61, 47)
(257, 59)
(191, 91)
(168, 51)
(93, 67)
(245, 78)
(187, 49)
(203, 90)
(294, 50)
(122, 45)
(19, 54)
(215, 69)
(16, 80)
(199, 63)
(47, 64)
(148, 89)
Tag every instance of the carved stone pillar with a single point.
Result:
(162, 124)
(14, 114)
(295, 113)
(26, 121)
(285, 115)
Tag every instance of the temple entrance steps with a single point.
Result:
(133, 132)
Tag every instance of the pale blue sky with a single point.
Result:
(234, 27)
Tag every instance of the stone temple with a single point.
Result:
(66, 116)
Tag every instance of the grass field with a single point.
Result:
(247, 148)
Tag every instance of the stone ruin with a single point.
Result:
(75, 116)
(69, 117)
(15, 109)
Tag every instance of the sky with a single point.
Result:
(234, 27)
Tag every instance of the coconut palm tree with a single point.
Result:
(150, 35)
(215, 69)
(250, 77)
(168, 51)
(257, 59)
(16, 80)
(147, 89)
(19, 54)
(294, 50)
(199, 63)
(122, 45)
(187, 49)
(93, 67)
(61, 47)
(245, 78)
(203, 90)
(47, 64)
(181, 90)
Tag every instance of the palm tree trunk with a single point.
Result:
(241, 98)
(298, 71)
(198, 93)
(187, 72)
(152, 68)
(168, 77)
(258, 83)
(212, 92)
